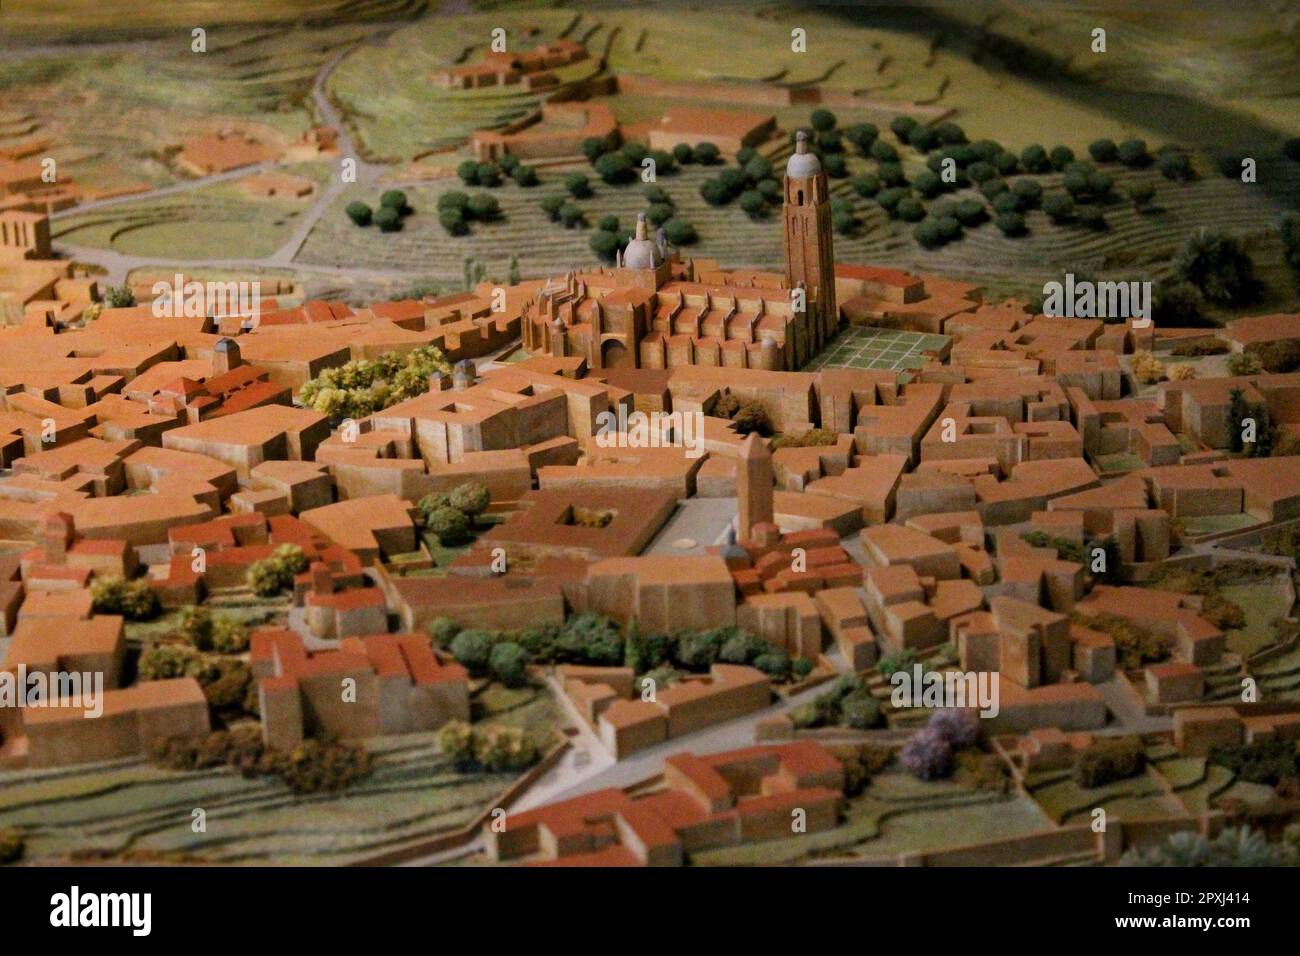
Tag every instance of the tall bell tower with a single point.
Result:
(806, 236)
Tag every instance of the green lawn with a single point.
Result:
(1065, 801)
(1263, 602)
(1279, 678)
(240, 603)
(220, 221)
(1214, 524)
(1199, 796)
(872, 348)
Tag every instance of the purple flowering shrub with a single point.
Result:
(927, 754)
(961, 728)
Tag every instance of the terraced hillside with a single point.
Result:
(396, 112)
(1016, 79)
(211, 222)
(898, 814)
(117, 111)
(55, 21)
(1134, 243)
(544, 247)
(131, 810)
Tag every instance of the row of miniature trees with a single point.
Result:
(594, 639)
(393, 208)
(450, 516)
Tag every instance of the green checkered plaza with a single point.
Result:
(886, 349)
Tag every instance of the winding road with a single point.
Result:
(118, 265)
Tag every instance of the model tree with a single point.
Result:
(1215, 263)
(274, 574)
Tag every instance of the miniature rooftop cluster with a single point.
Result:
(294, 520)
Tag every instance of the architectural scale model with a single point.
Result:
(656, 435)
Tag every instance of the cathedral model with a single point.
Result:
(654, 310)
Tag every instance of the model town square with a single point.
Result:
(478, 433)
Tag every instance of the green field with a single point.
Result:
(1198, 525)
(210, 222)
(396, 111)
(1264, 603)
(1279, 678)
(1196, 782)
(238, 603)
(50, 21)
(1065, 801)
(548, 248)
(882, 349)
(1133, 243)
(1171, 786)
(114, 115)
(1017, 74)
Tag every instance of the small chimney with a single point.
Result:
(225, 356)
(463, 374)
(322, 578)
(56, 536)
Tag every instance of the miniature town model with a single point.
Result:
(560, 447)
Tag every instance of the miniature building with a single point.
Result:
(95, 645)
(806, 235)
(24, 235)
(506, 68)
(728, 691)
(917, 471)
(716, 800)
(221, 152)
(754, 486)
(382, 684)
(652, 311)
(665, 594)
(133, 719)
(557, 129)
(729, 130)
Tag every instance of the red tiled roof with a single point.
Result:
(616, 855)
(793, 798)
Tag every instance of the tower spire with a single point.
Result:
(808, 243)
(754, 485)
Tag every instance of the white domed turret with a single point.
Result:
(641, 251)
(803, 164)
